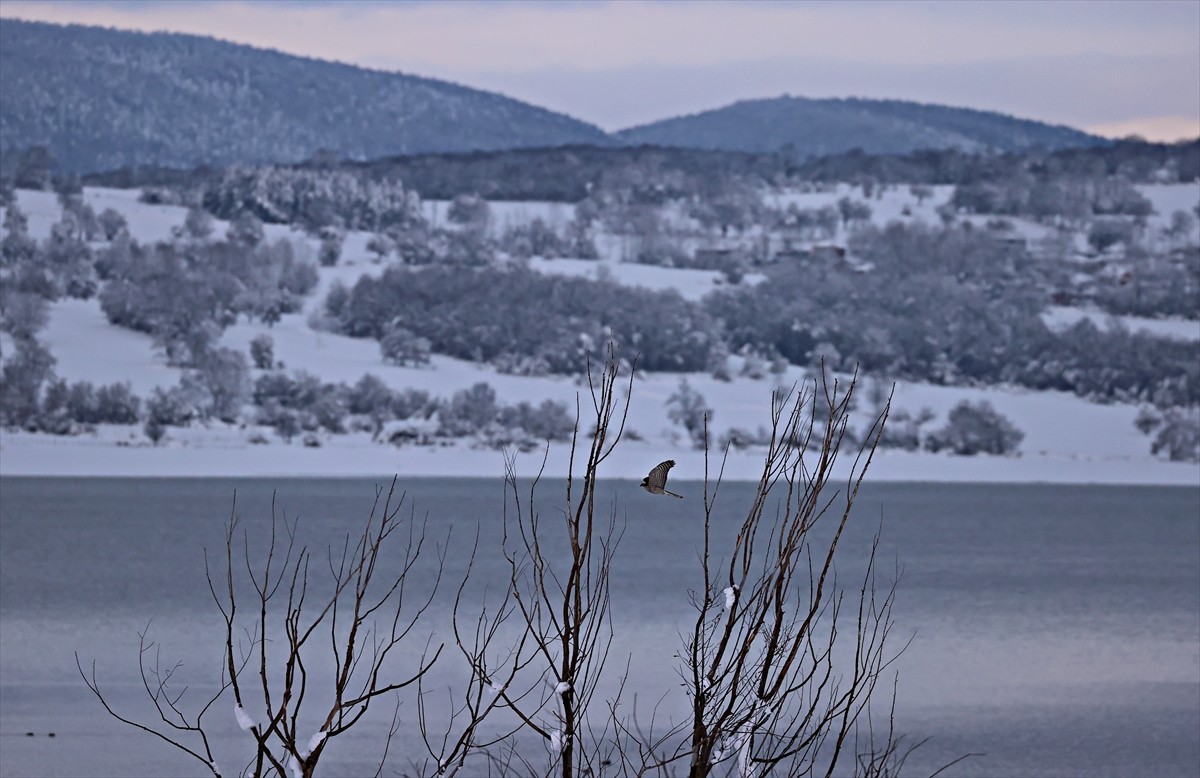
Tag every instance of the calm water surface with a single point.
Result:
(1055, 629)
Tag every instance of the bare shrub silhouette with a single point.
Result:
(785, 662)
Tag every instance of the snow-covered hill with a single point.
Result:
(1066, 438)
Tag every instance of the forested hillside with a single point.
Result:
(567, 173)
(808, 128)
(100, 99)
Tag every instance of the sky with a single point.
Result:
(1111, 67)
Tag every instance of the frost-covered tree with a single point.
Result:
(1176, 432)
(16, 246)
(198, 224)
(1105, 233)
(381, 246)
(222, 378)
(548, 420)
(400, 346)
(921, 191)
(469, 411)
(688, 408)
(169, 407)
(976, 428)
(112, 223)
(22, 315)
(470, 212)
(370, 396)
(24, 374)
(330, 250)
(262, 352)
(853, 211)
(246, 230)
(117, 404)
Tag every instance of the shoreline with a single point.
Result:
(225, 454)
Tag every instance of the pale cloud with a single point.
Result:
(620, 63)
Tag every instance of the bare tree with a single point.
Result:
(783, 660)
(293, 624)
(781, 665)
(539, 655)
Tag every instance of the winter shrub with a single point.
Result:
(331, 249)
(245, 229)
(223, 377)
(336, 299)
(410, 403)
(1105, 233)
(468, 412)
(111, 404)
(535, 239)
(399, 346)
(518, 364)
(262, 352)
(21, 382)
(370, 396)
(754, 366)
(112, 223)
(508, 438)
(155, 430)
(286, 423)
(1147, 420)
(168, 408)
(740, 438)
(81, 402)
(198, 224)
(688, 408)
(54, 417)
(313, 404)
(465, 247)
(22, 315)
(548, 421)
(469, 210)
(661, 250)
(1178, 435)
(718, 363)
(903, 430)
(976, 429)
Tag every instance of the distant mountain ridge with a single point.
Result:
(101, 99)
(813, 128)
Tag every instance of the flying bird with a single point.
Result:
(656, 482)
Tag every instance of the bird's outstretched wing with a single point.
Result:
(656, 482)
(658, 476)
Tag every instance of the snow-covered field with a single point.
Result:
(1060, 317)
(1066, 439)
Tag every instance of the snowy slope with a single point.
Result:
(1066, 438)
(1060, 317)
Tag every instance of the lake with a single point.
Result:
(1055, 629)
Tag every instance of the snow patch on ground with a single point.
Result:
(689, 283)
(1059, 317)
